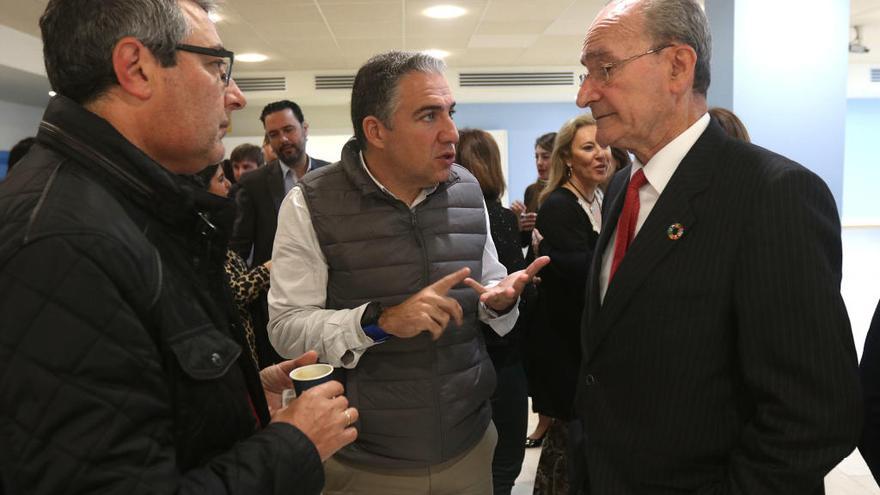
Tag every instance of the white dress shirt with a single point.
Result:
(290, 178)
(298, 320)
(658, 171)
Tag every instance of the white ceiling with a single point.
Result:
(342, 34)
(309, 35)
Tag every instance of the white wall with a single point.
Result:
(24, 51)
(324, 146)
(17, 123)
(861, 173)
(859, 83)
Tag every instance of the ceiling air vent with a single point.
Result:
(875, 74)
(249, 84)
(477, 79)
(334, 82)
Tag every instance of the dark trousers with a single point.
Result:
(510, 415)
(577, 463)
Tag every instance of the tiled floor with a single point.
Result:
(861, 290)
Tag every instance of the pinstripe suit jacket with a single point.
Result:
(869, 446)
(721, 362)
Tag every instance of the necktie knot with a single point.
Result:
(638, 180)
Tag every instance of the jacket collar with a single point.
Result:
(95, 145)
(354, 169)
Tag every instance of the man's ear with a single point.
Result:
(683, 61)
(305, 126)
(135, 67)
(375, 131)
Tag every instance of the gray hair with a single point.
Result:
(79, 37)
(375, 92)
(682, 21)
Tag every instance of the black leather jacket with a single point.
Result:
(121, 363)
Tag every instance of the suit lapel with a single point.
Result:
(275, 184)
(653, 242)
(610, 215)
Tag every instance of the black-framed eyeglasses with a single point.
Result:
(606, 67)
(224, 65)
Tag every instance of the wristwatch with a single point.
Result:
(370, 322)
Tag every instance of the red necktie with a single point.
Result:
(626, 224)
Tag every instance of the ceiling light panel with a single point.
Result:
(436, 53)
(444, 12)
(250, 57)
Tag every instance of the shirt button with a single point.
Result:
(215, 358)
(591, 380)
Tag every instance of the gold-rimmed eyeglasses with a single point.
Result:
(606, 68)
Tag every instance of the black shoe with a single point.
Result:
(534, 442)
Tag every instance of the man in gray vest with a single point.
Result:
(372, 257)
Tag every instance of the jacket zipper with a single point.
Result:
(435, 376)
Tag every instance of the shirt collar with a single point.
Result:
(662, 165)
(285, 168)
(421, 197)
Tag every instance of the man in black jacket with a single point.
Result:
(260, 193)
(121, 363)
(259, 196)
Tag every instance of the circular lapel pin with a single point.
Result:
(675, 231)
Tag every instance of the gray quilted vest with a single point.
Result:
(421, 402)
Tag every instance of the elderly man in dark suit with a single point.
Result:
(259, 198)
(717, 352)
(869, 445)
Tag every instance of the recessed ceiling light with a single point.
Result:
(52, 93)
(215, 17)
(250, 57)
(444, 12)
(441, 54)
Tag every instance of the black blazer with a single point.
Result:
(259, 198)
(869, 446)
(721, 362)
(553, 350)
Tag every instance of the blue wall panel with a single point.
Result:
(4, 159)
(861, 170)
(790, 78)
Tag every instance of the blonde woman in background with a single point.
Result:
(568, 225)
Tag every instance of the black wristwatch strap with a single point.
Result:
(370, 322)
(371, 314)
